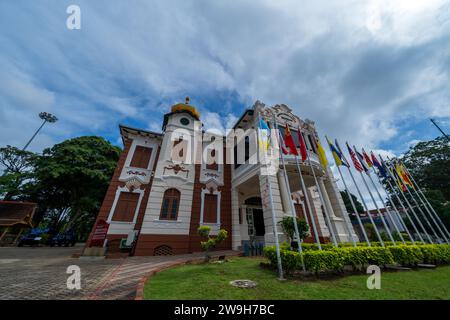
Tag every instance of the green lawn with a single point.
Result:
(210, 281)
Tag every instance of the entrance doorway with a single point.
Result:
(255, 218)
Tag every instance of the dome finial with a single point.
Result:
(187, 100)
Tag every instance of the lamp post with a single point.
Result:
(47, 117)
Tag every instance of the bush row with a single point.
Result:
(334, 259)
(329, 246)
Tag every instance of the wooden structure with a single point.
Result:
(15, 218)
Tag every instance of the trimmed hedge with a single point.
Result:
(407, 255)
(334, 259)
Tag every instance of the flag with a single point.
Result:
(361, 160)
(398, 179)
(367, 158)
(406, 175)
(356, 163)
(336, 154)
(264, 135)
(322, 156)
(379, 166)
(344, 160)
(303, 150)
(402, 175)
(289, 141)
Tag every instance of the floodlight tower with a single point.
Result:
(47, 117)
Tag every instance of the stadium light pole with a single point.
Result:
(47, 117)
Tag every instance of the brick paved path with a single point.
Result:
(40, 273)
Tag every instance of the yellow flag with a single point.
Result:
(322, 157)
(337, 159)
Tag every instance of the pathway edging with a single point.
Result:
(168, 265)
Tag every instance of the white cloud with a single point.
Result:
(355, 67)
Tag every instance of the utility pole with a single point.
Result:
(47, 117)
(445, 135)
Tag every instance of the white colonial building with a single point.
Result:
(163, 189)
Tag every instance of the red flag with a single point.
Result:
(367, 158)
(289, 141)
(303, 150)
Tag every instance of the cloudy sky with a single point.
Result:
(371, 72)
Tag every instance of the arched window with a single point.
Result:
(170, 205)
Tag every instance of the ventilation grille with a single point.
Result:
(163, 250)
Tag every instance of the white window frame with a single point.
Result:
(218, 194)
(116, 199)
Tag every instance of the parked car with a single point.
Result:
(34, 237)
(66, 239)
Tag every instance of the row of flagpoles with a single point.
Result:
(393, 172)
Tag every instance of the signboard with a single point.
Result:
(99, 235)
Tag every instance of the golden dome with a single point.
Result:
(185, 107)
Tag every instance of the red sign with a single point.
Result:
(99, 235)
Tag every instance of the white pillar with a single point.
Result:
(236, 227)
(277, 209)
(285, 197)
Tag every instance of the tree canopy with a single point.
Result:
(68, 181)
(428, 162)
(348, 204)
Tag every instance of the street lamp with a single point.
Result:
(47, 117)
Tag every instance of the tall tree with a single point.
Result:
(72, 178)
(17, 166)
(429, 163)
(348, 204)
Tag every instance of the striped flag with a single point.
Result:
(379, 166)
(356, 163)
(361, 160)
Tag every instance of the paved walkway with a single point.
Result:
(40, 273)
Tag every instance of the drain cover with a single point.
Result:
(243, 283)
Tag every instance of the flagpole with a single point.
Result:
(406, 213)
(305, 193)
(347, 219)
(432, 218)
(402, 223)
(363, 230)
(274, 222)
(437, 216)
(409, 204)
(447, 237)
(345, 215)
(420, 209)
(423, 214)
(294, 216)
(322, 200)
(387, 211)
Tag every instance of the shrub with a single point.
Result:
(323, 261)
(406, 255)
(435, 253)
(288, 227)
(335, 259)
(211, 242)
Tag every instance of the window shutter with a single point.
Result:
(210, 208)
(141, 157)
(126, 207)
